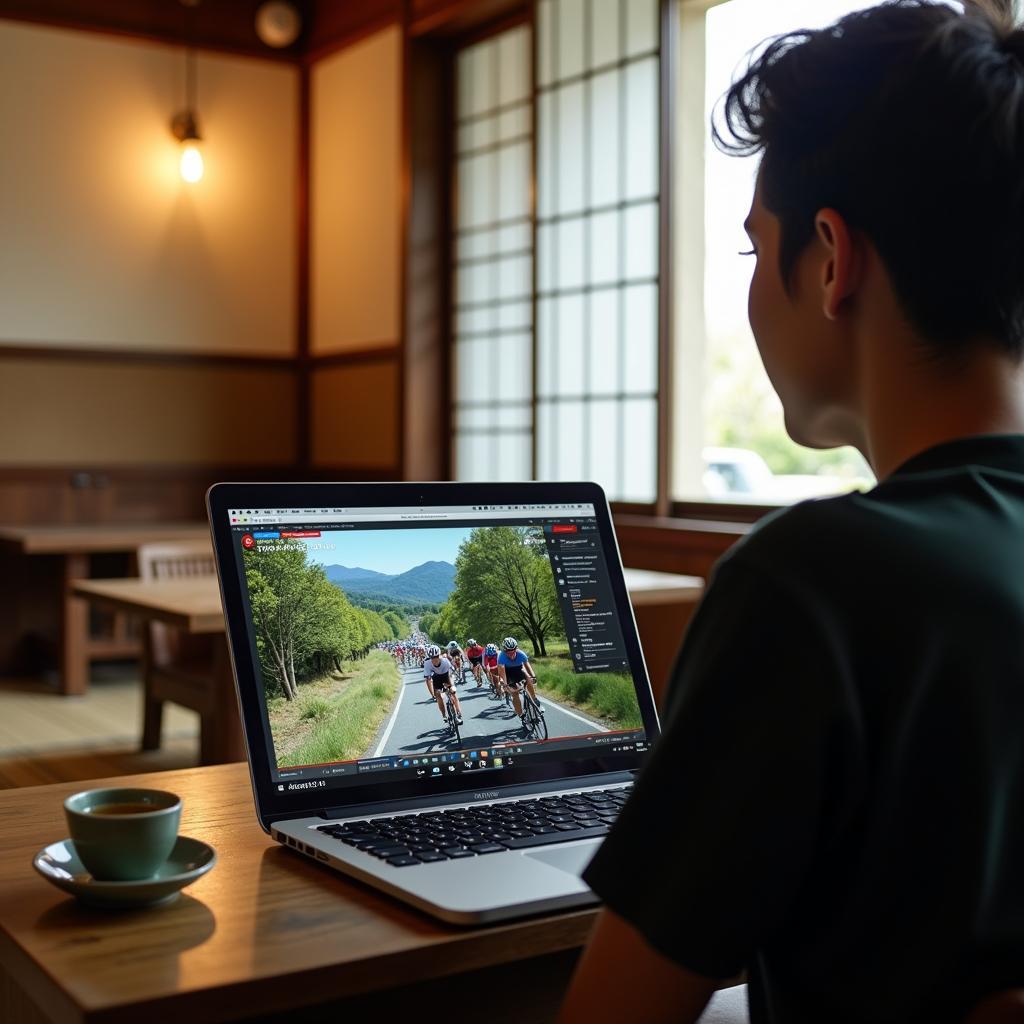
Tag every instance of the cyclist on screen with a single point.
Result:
(458, 659)
(437, 672)
(475, 653)
(491, 668)
(516, 671)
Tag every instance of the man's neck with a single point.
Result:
(912, 406)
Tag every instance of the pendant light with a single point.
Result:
(184, 125)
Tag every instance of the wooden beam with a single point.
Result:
(64, 352)
(302, 239)
(461, 17)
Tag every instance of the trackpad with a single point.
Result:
(567, 858)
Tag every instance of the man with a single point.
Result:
(836, 805)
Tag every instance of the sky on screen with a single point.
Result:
(387, 551)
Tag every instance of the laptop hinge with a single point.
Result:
(482, 795)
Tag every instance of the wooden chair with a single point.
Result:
(179, 666)
(1001, 1008)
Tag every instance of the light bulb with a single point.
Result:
(191, 164)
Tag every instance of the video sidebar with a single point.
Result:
(444, 764)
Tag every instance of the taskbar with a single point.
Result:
(436, 764)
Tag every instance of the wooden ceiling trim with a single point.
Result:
(459, 17)
(226, 26)
(335, 26)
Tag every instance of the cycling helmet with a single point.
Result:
(492, 649)
(433, 651)
(471, 642)
(452, 645)
(510, 643)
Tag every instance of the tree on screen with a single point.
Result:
(504, 585)
(304, 624)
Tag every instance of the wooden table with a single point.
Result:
(266, 932)
(647, 587)
(191, 604)
(40, 566)
(663, 604)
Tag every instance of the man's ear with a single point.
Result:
(842, 265)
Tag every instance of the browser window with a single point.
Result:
(343, 606)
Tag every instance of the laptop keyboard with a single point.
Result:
(410, 839)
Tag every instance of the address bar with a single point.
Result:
(379, 517)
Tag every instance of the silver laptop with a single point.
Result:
(474, 780)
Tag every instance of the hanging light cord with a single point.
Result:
(190, 80)
(191, 70)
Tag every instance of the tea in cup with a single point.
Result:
(123, 834)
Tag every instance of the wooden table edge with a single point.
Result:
(201, 623)
(31, 981)
(666, 595)
(329, 983)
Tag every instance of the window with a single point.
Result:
(493, 252)
(597, 243)
(557, 357)
(560, 353)
(730, 441)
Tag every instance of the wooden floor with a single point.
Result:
(71, 765)
(46, 737)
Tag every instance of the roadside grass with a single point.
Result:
(335, 718)
(609, 696)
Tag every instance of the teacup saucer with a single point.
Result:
(190, 859)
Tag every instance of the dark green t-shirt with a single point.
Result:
(836, 803)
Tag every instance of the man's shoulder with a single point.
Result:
(806, 530)
(815, 545)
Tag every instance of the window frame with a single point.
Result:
(688, 122)
(671, 14)
(523, 16)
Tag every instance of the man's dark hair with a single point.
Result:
(907, 118)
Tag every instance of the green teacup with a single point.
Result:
(123, 834)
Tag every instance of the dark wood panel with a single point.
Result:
(339, 474)
(226, 25)
(427, 312)
(690, 547)
(355, 419)
(97, 494)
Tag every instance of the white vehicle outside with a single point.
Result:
(742, 475)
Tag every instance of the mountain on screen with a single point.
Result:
(431, 582)
(342, 575)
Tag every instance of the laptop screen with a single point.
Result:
(404, 644)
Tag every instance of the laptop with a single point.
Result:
(474, 781)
